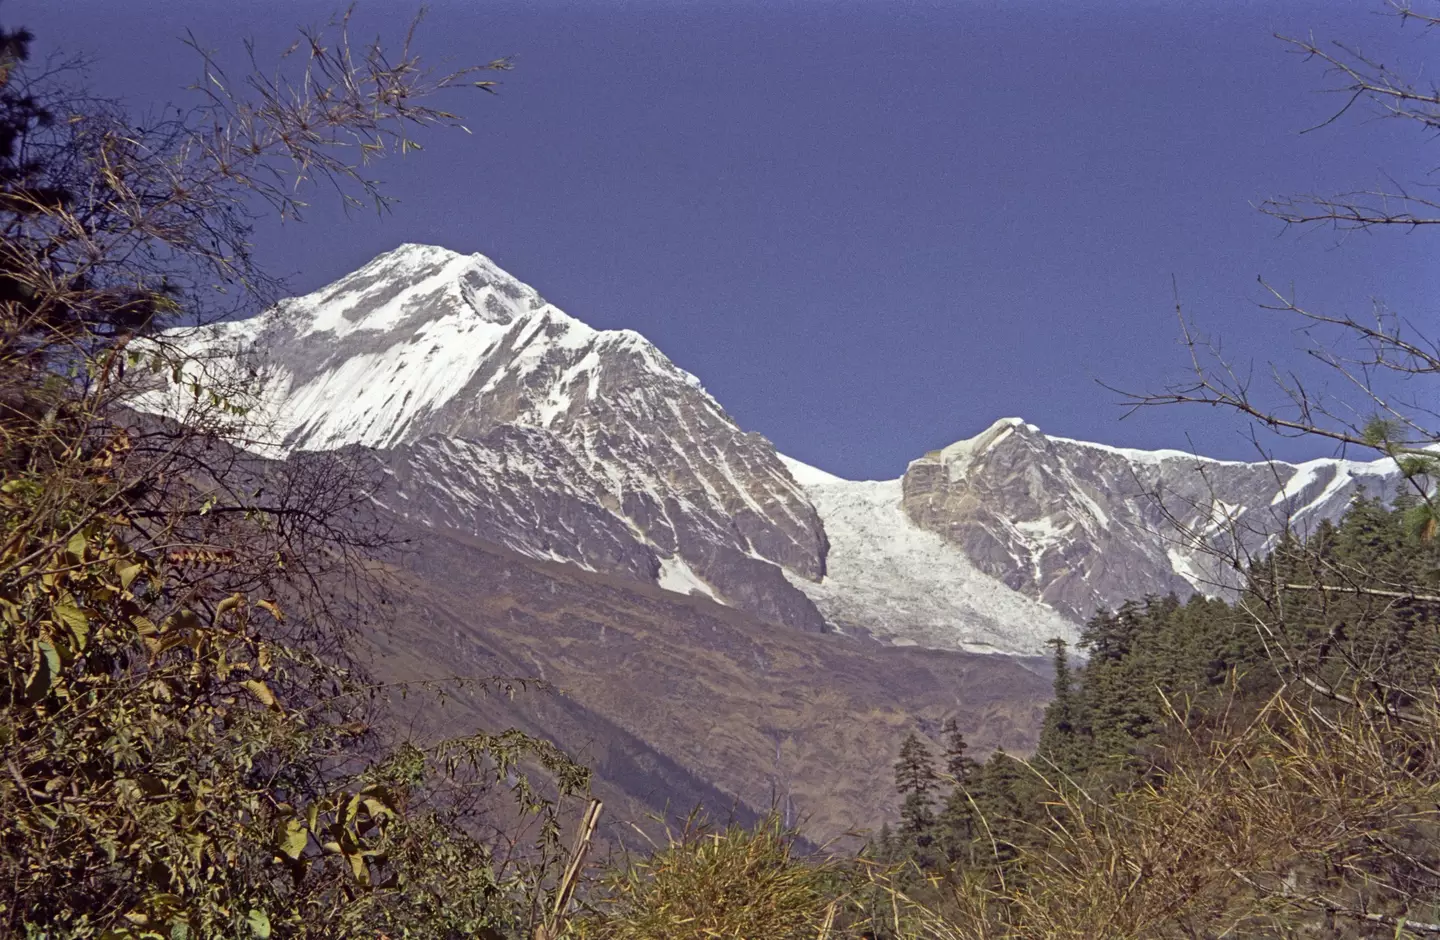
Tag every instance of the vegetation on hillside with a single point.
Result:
(1262, 767)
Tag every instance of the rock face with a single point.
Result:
(498, 415)
(1081, 526)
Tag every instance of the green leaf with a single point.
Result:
(47, 667)
(52, 655)
(259, 923)
(76, 619)
(293, 839)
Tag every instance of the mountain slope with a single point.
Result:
(668, 690)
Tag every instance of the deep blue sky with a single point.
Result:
(871, 228)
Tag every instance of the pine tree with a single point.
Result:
(1060, 744)
(957, 818)
(915, 779)
(958, 763)
(885, 845)
(1001, 796)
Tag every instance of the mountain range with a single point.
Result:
(738, 625)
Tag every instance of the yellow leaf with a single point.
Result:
(293, 839)
(128, 573)
(262, 692)
(185, 620)
(227, 605)
(76, 619)
(359, 869)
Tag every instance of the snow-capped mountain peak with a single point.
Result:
(961, 455)
(491, 412)
(379, 296)
(424, 340)
(500, 415)
(1081, 525)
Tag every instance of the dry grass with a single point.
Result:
(705, 883)
(1302, 822)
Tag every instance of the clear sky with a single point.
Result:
(872, 228)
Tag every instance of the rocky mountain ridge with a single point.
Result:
(492, 414)
(1080, 525)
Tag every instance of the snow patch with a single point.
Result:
(1346, 472)
(1044, 532)
(677, 575)
(331, 314)
(1184, 566)
(807, 475)
(1150, 457)
(1305, 474)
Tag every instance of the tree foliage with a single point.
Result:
(185, 738)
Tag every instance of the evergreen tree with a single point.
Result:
(1000, 797)
(915, 779)
(957, 817)
(958, 763)
(1059, 736)
(885, 845)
